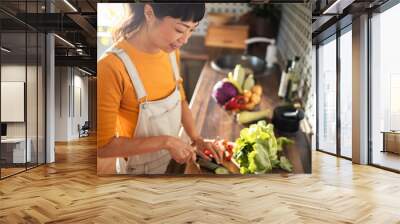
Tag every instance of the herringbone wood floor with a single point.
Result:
(69, 191)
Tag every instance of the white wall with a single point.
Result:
(80, 84)
(34, 125)
(69, 85)
(12, 73)
(61, 103)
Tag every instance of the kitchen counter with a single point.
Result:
(212, 120)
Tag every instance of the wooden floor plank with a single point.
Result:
(69, 191)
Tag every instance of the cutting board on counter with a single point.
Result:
(234, 168)
(228, 36)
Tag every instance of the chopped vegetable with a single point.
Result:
(255, 98)
(239, 74)
(229, 147)
(228, 154)
(252, 98)
(285, 164)
(256, 150)
(246, 117)
(234, 82)
(244, 170)
(228, 157)
(259, 160)
(208, 153)
(227, 150)
(249, 82)
(250, 106)
(282, 141)
(221, 170)
(210, 166)
(257, 89)
(223, 91)
(247, 93)
(237, 102)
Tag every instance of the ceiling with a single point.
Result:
(74, 21)
(332, 15)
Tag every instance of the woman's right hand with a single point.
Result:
(180, 151)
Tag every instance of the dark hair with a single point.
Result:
(184, 11)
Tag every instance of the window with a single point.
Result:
(22, 75)
(327, 96)
(333, 106)
(385, 88)
(346, 93)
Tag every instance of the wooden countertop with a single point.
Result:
(212, 120)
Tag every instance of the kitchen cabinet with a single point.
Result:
(231, 36)
(227, 39)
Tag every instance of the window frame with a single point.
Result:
(333, 37)
(378, 10)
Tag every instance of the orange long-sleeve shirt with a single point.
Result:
(117, 104)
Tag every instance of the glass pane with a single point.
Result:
(41, 98)
(31, 85)
(385, 86)
(346, 94)
(313, 116)
(31, 97)
(13, 84)
(327, 97)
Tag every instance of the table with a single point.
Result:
(13, 150)
(391, 141)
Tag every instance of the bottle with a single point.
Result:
(294, 80)
(290, 80)
(284, 80)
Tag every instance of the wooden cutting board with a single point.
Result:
(191, 168)
(229, 36)
(234, 168)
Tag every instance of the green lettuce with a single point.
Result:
(259, 161)
(285, 164)
(257, 148)
(282, 141)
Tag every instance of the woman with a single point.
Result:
(142, 104)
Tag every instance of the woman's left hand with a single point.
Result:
(206, 144)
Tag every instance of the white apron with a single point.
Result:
(160, 117)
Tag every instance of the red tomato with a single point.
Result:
(208, 153)
(228, 156)
(229, 148)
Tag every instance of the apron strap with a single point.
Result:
(132, 71)
(175, 68)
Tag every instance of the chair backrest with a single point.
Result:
(86, 125)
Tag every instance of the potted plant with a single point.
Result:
(265, 20)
